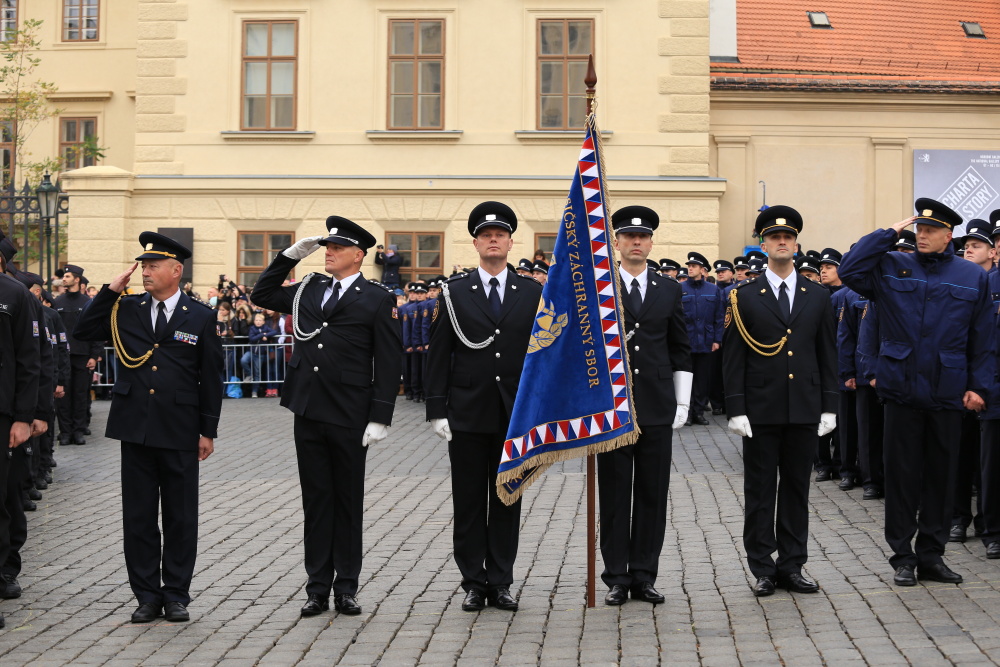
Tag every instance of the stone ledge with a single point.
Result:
(556, 136)
(268, 137)
(413, 136)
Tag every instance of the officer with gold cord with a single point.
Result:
(779, 367)
(165, 409)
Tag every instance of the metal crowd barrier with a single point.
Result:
(249, 364)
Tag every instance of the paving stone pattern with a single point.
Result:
(248, 585)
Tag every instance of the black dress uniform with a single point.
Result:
(780, 372)
(161, 405)
(633, 481)
(343, 375)
(474, 389)
(72, 407)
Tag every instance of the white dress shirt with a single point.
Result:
(344, 284)
(627, 278)
(485, 277)
(170, 303)
(775, 282)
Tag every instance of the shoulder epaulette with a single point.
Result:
(203, 303)
(458, 277)
(531, 278)
(748, 281)
(378, 284)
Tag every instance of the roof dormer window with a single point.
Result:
(973, 29)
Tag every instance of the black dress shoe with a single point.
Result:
(797, 583)
(764, 587)
(700, 420)
(346, 604)
(938, 572)
(718, 411)
(846, 484)
(28, 505)
(645, 591)
(687, 422)
(78, 439)
(823, 476)
(146, 613)
(86, 431)
(872, 493)
(34, 494)
(41, 484)
(48, 478)
(9, 588)
(501, 598)
(315, 604)
(63, 440)
(957, 534)
(904, 576)
(617, 596)
(475, 600)
(175, 612)
(993, 550)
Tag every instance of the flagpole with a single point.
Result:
(591, 82)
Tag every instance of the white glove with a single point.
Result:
(682, 391)
(442, 428)
(827, 422)
(741, 426)
(374, 433)
(302, 248)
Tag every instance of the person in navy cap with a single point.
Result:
(414, 331)
(83, 355)
(407, 314)
(907, 241)
(829, 457)
(978, 245)
(669, 267)
(634, 481)
(682, 275)
(989, 453)
(740, 267)
(704, 310)
(935, 360)
(808, 268)
(540, 271)
(524, 266)
(478, 343)
(165, 411)
(341, 385)
(780, 369)
(755, 267)
(724, 273)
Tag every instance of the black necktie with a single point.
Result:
(635, 297)
(331, 303)
(161, 319)
(494, 297)
(783, 304)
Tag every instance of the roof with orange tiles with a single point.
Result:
(880, 40)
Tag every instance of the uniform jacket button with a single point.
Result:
(156, 345)
(316, 368)
(791, 376)
(636, 348)
(497, 331)
(152, 391)
(320, 346)
(498, 378)
(498, 355)
(326, 324)
(154, 368)
(635, 371)
(791, 354)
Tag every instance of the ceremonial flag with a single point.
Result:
(575, 395)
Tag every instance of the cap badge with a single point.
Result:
(333, 231)
(779, 221)
(927, 212)
(149, 246)
(491, 217)
(637, 221)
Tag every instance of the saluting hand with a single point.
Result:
(121, 282)
(903, 224)
(972, 401)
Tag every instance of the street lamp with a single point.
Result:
(47, 195)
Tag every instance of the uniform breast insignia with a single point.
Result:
(550, 325)
(405, 319)
(437, 308)
(190, 339)
(905, 273)
(840, 316)
(864, 312)
(729, 316)
(34, 328)
(395, 313)
(62, 336)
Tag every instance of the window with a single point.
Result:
(973, 30)
(80, 20)
(8, 19)
(545, 243)
(256, 251)
(6, 153)
(416, 74)
(73, 132)
(819, 20)
(269, 73)
(563, 48)
(421, 253)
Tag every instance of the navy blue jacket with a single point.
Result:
(704, 310)
(427, 316)
(992, 410)
(407, 315)
(847, 334)
(936, 322)
(868, 343)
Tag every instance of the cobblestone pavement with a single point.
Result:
(248, 585)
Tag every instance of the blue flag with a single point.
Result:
(575, 395)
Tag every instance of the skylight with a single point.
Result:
(973, 29)
(819, 20)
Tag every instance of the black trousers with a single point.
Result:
(632, 484)
(967, 473)
(407, 374)
(777, 462)
(332, 475)
(828, 452)
(989, 492)
(6, 488)
(921, 454)
(847, 430)
(486, 530)
(17, 473)
(72, 408)
(716, 391)
(870, 435)
(166, 480)
(702, 381)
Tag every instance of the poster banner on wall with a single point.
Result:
(966, 181)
